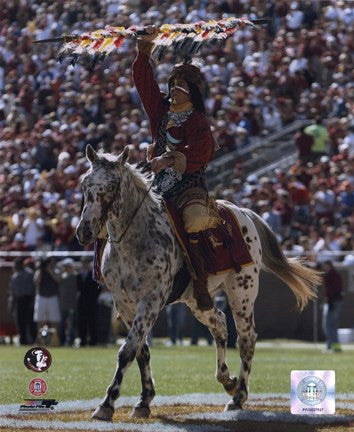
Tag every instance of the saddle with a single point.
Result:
(223, 247)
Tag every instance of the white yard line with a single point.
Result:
(268, 417)
(261, 399)
(187, 399)
(100, 426)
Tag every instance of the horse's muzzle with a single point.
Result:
(84, 233)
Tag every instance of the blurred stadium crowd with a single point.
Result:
(297, 67)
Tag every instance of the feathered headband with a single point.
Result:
(184, 39)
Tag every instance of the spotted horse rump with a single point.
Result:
(142, 257)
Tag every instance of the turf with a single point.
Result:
(85, 373)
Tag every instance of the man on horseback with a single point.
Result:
(182, 147)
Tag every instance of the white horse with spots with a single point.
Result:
(143, 256)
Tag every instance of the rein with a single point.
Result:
(132, 217)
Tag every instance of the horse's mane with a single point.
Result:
(142, 179)
(141, 175)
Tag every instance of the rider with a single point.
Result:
(182, 147)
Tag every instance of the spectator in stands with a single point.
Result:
(328, 242)
(294, 17)
(18, 243)
(320, 136)
(346, 199)
(299, 194)
(346, 245)
(21, 301)
(271, 120)
(284, 208)
(33, 227)
(324, 200)
(336, 134)
(304, 143)
(63, 233)
(333, 288)
(271, 216)
(348, 141)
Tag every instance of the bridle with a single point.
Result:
(132, 217)
(104, 216)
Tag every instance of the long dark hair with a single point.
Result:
(196, 97)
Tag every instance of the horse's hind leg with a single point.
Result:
(242, 291)
(142, 408)
(215, 320)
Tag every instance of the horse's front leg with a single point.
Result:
(142, 408)
(144, 320)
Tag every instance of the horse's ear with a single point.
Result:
(123, 157)
(90, 153)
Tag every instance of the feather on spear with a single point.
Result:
(184, 39)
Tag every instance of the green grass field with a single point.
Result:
(85, 373)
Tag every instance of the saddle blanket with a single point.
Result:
(223, 247)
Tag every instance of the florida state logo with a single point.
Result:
(38, 359)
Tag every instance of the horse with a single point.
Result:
(141, 258)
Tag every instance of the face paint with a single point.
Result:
(176, 87)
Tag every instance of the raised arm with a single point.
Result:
(146, 85)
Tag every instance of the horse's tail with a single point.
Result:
(302, 280)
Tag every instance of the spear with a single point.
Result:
(184, 39)
(69, 38)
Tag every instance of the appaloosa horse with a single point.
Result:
(141, 259)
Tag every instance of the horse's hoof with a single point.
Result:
(141, 412)
(231, 386)
(103, 413)
(232, 406)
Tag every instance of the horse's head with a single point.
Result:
(101, 188)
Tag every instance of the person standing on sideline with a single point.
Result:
(331, 309)
(68, 302)
(87, 303)
(21, 301)
(46, 306)
(104, 316)
(176, 315)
